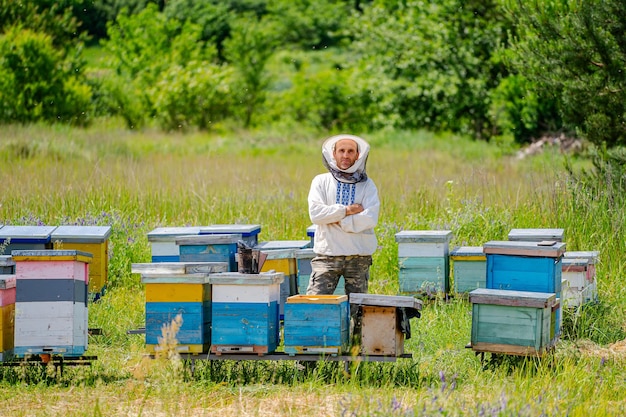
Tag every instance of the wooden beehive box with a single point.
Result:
(304, 257)
(51, 302)
(512, 322)
(245, 312)
(381, 330)
(424, 261)
(209, 248)
(163, 242)
(590, 293)
(281, 257)
(90, 239)
(575, 280)
(317, 324)
(469, 268)
(177, 290)
(25, 238)
(7, 265)
(7, 316)
(249, 232)
(524, 266)
(536, 235)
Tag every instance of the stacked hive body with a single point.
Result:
(512, 322)
(281, 257)
(527, 267)
(304, 257)
(249, 232)
(178, 305)
(51, 302)
(7, 313)
(245, 312)
(25, 238)
(90, 239)
(163, 242)
(579, 278)
(209, 248)
(469, 266)
(424, 261)
(385, 322)
(316, 324)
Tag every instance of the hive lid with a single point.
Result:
(547, 249)
(82, 234)
(592, 256)
(423, 236)
(307, 253)
(196, 278)
(534, 235)
(26, 234)
(512, 298)
(237, 278)
(574, 262)
(283, 244)
(169, 234)
(179, 267)
(51, 254)
(245, 230)
(385, 300)
(317, 299)
(467, 251)
(189, 240)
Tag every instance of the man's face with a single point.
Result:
(346, 153)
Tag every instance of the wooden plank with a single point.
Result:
(512, 298)
(81, 234)
(235, 278)
(170, 234)
(317, 299)
(536, 235)
(196, 278)
(509, 349)
(385, 300)
(523, 248)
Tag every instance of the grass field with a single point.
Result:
(135, 181)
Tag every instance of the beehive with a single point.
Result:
(281, 257)
(383, 331)
(575, 275)
(7, 316)
(590, 293)
(90, 239)
(304, 257)
(7, 265)
(51, 302)
(512, 322)
(536, 235)
(163, 242)
(469, 268)
(424, 261)
(249, 232)
(178, 305)
(245, 312)
(209, 248)
(317, 324)
(25, 238)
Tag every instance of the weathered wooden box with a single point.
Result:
(590, 293)
(249, 232)
(178, 306)
(513, 322)
(304, 257)
(469, 268)
(424, 261)
(317, 324)
(383, 331)
(7, 265)
(163, 242)
(209, 248)
(7, 316)
(536, 235)
(51, 302)
(25, 238)
(90, 239)
(524, 266)
(245, 312)
(281, 257)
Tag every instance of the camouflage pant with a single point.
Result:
(325, 274)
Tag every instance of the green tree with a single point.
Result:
(575, 51)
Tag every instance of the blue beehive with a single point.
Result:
(304, 257)
(424, 261)
(244, 312)
(469, 268)
(25, 238)
(163, 242)
(317, 324)
(249, 232)
(209, 248)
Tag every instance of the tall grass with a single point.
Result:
(135, 181)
